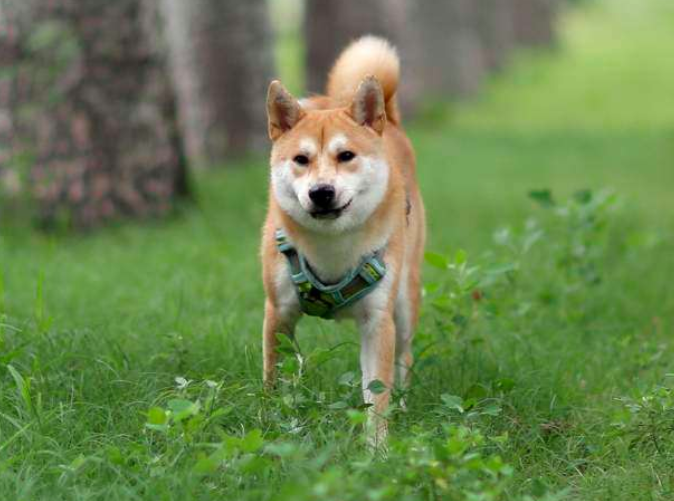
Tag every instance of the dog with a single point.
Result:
(345, 228)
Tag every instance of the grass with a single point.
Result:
(130, 359)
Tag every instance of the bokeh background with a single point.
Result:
(107, 107)
(133, 185)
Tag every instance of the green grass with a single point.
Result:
(559, 366)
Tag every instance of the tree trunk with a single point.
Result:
(534, 22)
(443, 51)
(98, 111)
(330, 25)
(8, 58)
(497, 31)
(222, 61)
(14, 89)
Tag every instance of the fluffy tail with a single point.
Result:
(367, 56)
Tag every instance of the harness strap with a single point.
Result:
(323, 300)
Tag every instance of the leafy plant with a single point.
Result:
(648, 422)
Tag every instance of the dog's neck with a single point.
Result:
(330, 256)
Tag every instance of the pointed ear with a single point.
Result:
(283, 110)
(368, 107)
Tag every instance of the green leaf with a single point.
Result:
(504, 384)
(493, 409)
(377, 387)
(477, 391)
(194, 424)
(469, 403)
(205, 465)
(285, 345)
(182, 409)
(253, 441)
(115, 456)
(156, 415)
(453, 402)
(356, 417)
(542, 197)
(347, 379)
(437, 260)
(289, 366)
(77, 463)
(460, 257)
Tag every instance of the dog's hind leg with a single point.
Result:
(406, 313)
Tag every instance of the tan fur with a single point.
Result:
(366, 56)
(388, 315)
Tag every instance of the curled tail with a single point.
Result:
(367, 56)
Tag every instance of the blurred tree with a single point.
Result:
(534, 22)
(442, 53)
(222, 61)
(329, 25)
(497, 31)
(9, 55)
(94, 107)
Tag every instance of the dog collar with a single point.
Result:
(324, 300)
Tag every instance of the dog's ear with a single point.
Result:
(283, 110)
(368, 107)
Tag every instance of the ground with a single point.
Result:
(130, 359)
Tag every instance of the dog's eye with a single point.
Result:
(301, 159)
(346, 156)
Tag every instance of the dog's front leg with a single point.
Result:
(377, 360)
(275, 323)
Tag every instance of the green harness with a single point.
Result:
(321, 300)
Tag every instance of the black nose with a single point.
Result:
(322, 195)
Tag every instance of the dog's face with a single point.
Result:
(328, 170)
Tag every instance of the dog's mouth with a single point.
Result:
(330, 213)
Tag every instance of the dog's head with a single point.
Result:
(328, 169)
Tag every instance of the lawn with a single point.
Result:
(130, 359)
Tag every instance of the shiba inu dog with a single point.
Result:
(345, 229)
